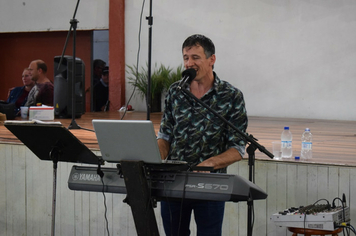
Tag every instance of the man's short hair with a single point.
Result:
(200, 40)
(98, 63)
(41, 65)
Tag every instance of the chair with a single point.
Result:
(310, 232)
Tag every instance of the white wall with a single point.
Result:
(52, 15)
(101, 45)
(290, 58)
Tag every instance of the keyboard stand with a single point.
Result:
(139, 198)
(53, 142)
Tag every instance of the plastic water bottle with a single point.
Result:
(286, 139)
(307, 139)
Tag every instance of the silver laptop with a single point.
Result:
(128, 140)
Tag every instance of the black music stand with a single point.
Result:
(139, 198)
(52, 142)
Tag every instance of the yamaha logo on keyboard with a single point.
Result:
(85, 177)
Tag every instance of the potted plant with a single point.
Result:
(161, 79)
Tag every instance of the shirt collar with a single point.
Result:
(215, 87)
(216, 84)
(103, 83)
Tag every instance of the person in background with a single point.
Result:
(98, 66)
(101, 92)
(189, 132)
(42, 92)
(18, 95)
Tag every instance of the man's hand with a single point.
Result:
(163, 146)
(223, 160)
(8, 94)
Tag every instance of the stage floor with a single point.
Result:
(334, 142)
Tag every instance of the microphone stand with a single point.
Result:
(149, 96)
(253, 145)
(73, 24)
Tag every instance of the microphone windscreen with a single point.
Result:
(190, 73)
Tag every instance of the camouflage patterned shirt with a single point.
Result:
(194, 133)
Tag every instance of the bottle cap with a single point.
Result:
(286, 128)
(307, 129)
(296, 158)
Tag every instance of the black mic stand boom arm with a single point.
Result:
(248, 138)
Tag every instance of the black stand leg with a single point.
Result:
(54, 155)
(73, 124)
(139, 198)
(251, 162)
(73, 25)
(54, 198)
(149, 95)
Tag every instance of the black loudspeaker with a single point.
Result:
(9, 109)
(63, 87)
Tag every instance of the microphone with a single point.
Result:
(187, 77)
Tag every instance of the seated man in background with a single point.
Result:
(101, 92)
(18, 95)
(98, 67)
(42, 92)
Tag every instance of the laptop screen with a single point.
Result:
(127, 140)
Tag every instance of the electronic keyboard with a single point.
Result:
(170, 184)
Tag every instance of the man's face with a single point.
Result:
(194, 57)
(98, 71)
(33, 71)
(105, 78)
(27, 78)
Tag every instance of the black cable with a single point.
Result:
(343, 231)
(343, 211)
(253, 217)
(328, 204)
(322, 200)
(168, 203)
(306, 212)
(169, 206)
(137, 57)
(352, 229)
(150, 202)
(183, 197)
(106, 209)
(101, 174)
(349, 227)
